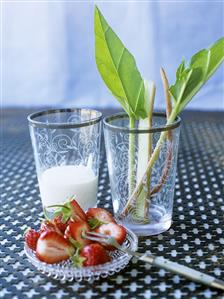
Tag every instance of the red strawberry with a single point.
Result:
(60, 224)
(70, 210)
(53, 248)
(100, 214)
(76, 231)
(77, 212)
(94, 254)
(113, 230)
(47, 225)
(31, 238)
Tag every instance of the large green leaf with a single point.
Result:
(118, 68)
(209, 60)
(190, 80)
(186, 87)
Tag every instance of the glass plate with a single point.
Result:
(64, 271)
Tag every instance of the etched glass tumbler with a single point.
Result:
(142, 169)
(66, 145)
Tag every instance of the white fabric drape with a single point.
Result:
(48, 49)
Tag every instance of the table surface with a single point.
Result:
(196, 237)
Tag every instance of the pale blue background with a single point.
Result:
(48, 49)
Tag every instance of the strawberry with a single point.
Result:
(70, 210)
(77, 212)
(75, 230)
(59, 223)
(114, 230)
(94, 254)
(31, 238)
(100, 214)
(53, 248)
(48, 225)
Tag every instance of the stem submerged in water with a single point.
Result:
(131, 157)
(165, 172)
(151, 162)
(142, 196)
(150, 116)
(144, 154)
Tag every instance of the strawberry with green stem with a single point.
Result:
(98, 216)
(48, 225)
(69, 210)
(114, 230)
(76, 230)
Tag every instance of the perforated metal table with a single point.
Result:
(196, 237)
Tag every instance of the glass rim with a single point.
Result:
(169, 127)
(31, 118)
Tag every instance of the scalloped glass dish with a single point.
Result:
(64, 271)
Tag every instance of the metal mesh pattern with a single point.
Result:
(196, 237)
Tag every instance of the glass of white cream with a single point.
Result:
(66, 144)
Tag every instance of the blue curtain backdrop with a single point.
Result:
(48, 49)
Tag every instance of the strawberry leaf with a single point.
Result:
(75, 243)
(77, 260)
(64, 210)
(57, 212)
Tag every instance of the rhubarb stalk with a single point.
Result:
(167, 97)
(144, 152)
(151, 162)
(131, 157)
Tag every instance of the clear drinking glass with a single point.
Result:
(149, 211)
(66, 144)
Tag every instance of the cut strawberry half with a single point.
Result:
(100, 214)
(48, 225)
(77, 212)
(31, 237)
(114, 230)
(76, 230)
(59, 223)
(94, 254)
(53, 248)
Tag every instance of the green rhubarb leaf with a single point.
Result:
(180, 70)
(118, 69)
(186, 87)
(190, 80)
(209, 60)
